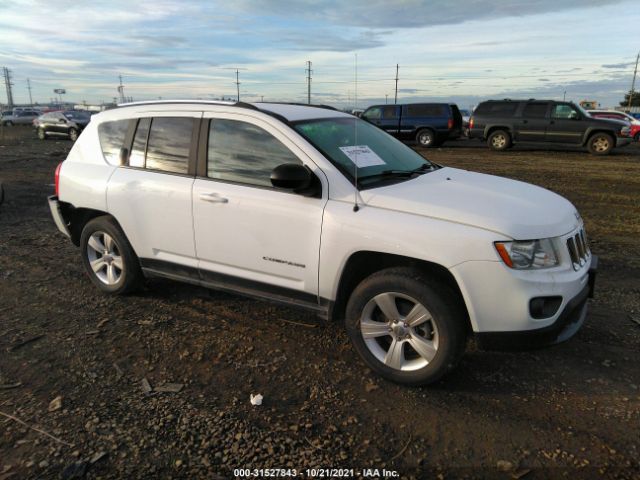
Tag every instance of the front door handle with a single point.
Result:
(213, 198)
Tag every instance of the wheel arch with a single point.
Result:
(77, 218)
(489, 129)
(590, 133)
(364, 263)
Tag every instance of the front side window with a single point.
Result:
(244, 153)
(111, 136)
(564, 111)
(351, 143)
(169, 143)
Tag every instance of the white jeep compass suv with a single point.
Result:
(317, 209)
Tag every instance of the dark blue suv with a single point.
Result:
(429, 124)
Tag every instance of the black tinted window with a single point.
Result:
(425, 110)
(389, 112)
(564, 111)
(136, 159)
(111, 136)
(535, 110)
(496, 109)
(168, 145)
(244, 153)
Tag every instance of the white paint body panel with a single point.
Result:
(449, 217)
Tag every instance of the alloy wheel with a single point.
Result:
(104, 257)
(399, 331)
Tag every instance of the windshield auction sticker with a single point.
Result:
(362, 156)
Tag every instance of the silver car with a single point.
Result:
(24, 117)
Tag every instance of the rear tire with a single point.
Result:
(426, 138)
(600, 144)
(108, 257)
(499, 140)
(415, 327)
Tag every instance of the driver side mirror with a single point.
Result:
(62, 120)
(574, 116)
(296, 177)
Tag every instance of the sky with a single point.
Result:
(447, 50)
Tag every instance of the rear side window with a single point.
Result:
(168, 145)
(111, 136)
(496, 109)
(389, 112)
(244, 153)
(425, 110)
(535, 110)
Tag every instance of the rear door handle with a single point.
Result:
(213, 198)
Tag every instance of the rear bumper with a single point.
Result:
(566, 325)
(56, 213)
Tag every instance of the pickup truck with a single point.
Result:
(429, 124)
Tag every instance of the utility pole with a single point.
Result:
(633, 82)
(564, 96)
(30, 97)
(121, 90)
(397, 68)
(308, 70)
(8, 84)
(386, 98)
(238, 83)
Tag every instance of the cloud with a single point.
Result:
(618, 65)
(408, 13)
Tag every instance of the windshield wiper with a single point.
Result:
(400, 173)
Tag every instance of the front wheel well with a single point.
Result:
(594, 132)
(363, 264)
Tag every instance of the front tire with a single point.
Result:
(73, 134)
(42, 135)
(405, 326)
(600, 144)
(637, 137)
(499, 140)
(108, 257)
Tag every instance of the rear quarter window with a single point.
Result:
(111, 136)
(496, 109)
(425, 110)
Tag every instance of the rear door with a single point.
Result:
(151, 195)
(247, 232)
(533, 122)
(566, 125)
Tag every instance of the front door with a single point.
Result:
(248, 234)
(566, 126)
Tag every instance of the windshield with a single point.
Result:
(348, 142)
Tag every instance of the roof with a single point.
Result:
(288, 111)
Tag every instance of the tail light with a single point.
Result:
(57, 179)
(450, 124)
(471, 122)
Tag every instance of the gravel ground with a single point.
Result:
(98, 374)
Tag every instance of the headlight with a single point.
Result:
(527, 254)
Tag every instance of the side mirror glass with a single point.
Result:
(296, 177)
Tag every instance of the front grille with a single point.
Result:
(578, 249)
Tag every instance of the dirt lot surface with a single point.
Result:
(568, 411)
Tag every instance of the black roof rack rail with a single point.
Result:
(189, 102)
(327, 107)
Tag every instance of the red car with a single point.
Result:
(634, 123)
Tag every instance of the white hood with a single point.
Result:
(516, 209)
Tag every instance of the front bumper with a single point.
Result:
(56, 213)
(623, 141)
(563, 328)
